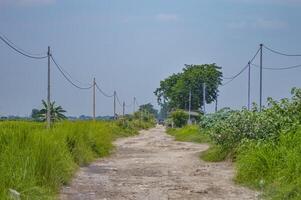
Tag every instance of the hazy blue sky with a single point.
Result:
(130, 45)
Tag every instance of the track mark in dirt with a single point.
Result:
(152, 166)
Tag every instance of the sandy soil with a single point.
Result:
(152, 166)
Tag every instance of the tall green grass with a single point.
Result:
(191, 133)
(36, 162)
(194, 133)
(273, 167)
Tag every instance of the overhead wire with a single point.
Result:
(280, 53)
(118, 100)
(234, 77)
(64, 73)
(278, 68)
(102, 92)
(70, 77)
(67, 78)
(20, 51)
(129, 105)
(241, 71)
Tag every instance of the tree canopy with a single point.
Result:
(148, 108)
(175, 89)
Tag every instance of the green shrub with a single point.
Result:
(279, 116)
(208, 121)
(179, 118)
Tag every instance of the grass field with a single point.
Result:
(36, 162)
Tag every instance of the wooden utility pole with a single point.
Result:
(249, 86)
(260, 98)
(204, 97)
(94, 106)
(123, 109)
(189, 108)
(216, 103)
(134, 105)
(48, 117)
(115, 105)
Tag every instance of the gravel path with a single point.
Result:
(152, 166)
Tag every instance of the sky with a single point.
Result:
(130, 45)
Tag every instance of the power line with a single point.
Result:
(234, 77)
(280, 53)
(278, 68)
(129, 105)
(69, 79)
(119, 102)
(137, 102)
(17, 47)
(20, 51)
(242, 70)
(102, 92)
(65, 74)
(254, 56)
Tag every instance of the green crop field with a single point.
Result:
(35, 161)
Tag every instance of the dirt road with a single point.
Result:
(152, 166)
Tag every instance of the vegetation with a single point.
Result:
(175, 89)
(190, 133)
(56, 112)
(179, 118)
(265, 145)
(272, 166)
(36, 161)
(149, 109)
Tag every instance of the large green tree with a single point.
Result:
(149, 108)
(175, 89)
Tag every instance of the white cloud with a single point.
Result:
(26, 2)
(166, 17)
(270, 24)
(274, 2)
(259, 24)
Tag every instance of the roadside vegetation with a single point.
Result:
(188, 133)
(265, 146)
(36, 162)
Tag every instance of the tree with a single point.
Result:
(163, 114)
(149, 108)
(56, 112)
(35, 114)
(175, 89)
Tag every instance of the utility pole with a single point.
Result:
(249, 86)
(94, 84)
(189, 112)
(204, 97)
(48, 91)
(134, 105)
(216, 103)
(260, 98)
(123, 109)
(114, 104)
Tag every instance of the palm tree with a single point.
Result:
(56, 112)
